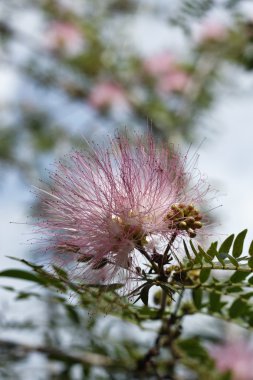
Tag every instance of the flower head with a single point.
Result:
(236, 357)
(164, 68)
(64, 37)
(106, 94)
(212, 31)
(160, 64)
(107, 203)
(176, 81)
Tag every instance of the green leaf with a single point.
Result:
(204, 275)
(238, 276)
(168, 288)
(198, 257)
(147, 312)
(21, 274)
(214, 302)
(237, 308)
(72, 313)
(251, 249)
(238, 244)
(226, 376)
(108, 288)
(212, 250)
(247, 296)
(250, 262)
(234, 289)
(207, 258)
(31, 265)
(197, 298)
(220, 257)
(233, 261)
(60, 272)
(193, 348)
(144, 293)
(25, 295)
(193, 248)
(226, 245)
(9, 288)
(187, 251)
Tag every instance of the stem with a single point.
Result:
(169, 332)
(174, 331)
(164, 278)
(218, 266)
(83, 358)
(163, 303)
(178, 303)
(168, 248)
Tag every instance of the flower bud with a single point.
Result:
(191, 233)
(197, 225)
(182, 225)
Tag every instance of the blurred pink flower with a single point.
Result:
(107, 94)
(106, 202)
(235, 356)
(212, 30)
(176, 81)
(169, 76)
(64, 37)
(159, 64)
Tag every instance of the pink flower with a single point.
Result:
(107, 94)
(212, 30)
(105, 203)
(236, 357)
(65, 37)
(169, 77)
(159, 64)
(176, 81)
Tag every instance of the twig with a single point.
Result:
(169, 331)
(84, 358)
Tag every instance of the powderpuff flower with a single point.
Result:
(106, 95)
(212, 31)
(64, 37)
(176, 81)
(159, 64)
(169, 77)
(236, 357)
(108, 203)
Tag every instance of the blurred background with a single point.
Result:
(71, 70)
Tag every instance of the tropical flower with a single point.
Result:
(108, 203)
(236, 357)
(107, 94)
(212, 30)
(159, 64)
(166, 71)
(64, 37)
(176, 81)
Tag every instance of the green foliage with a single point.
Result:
(197, 8)
(196, 357)
(226, 297)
